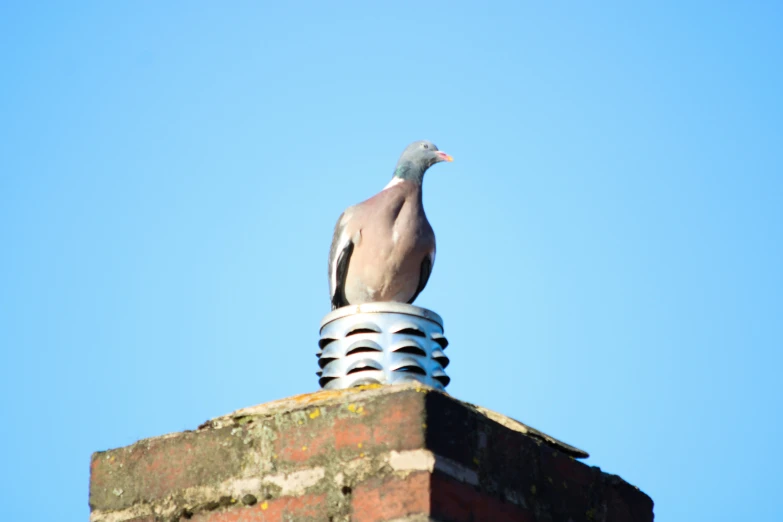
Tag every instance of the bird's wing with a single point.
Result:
(424, 274)
(339, 258)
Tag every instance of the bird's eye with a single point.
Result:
(426, 146)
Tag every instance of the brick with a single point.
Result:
(378, 424)
(156, 468)
(340, 454)
(626, 503)
(299, 444)
(563, 468)
(391, 498)
(348, 434)
(458, 502)
(568, 485)
(305, 508)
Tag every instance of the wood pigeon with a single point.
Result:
(383, 249)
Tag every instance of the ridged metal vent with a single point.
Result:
(382, 343)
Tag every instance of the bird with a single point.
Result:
(383, 249)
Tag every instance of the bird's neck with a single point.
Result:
(409, 172)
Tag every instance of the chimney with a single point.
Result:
(372, 453)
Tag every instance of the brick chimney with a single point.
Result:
(401, 453)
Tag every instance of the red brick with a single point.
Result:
(349, 434)
(572, 485)
(625, 504)
(459, 502)
(617, 509)
(376, 499)
(562, 467)
(160, 467)
(304, 508)
(402, 424)
(324, 431)
(379, 425)
(298, 444)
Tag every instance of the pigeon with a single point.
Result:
(383, 249)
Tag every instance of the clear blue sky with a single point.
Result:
(609, 266)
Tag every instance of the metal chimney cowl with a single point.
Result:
(382, 343)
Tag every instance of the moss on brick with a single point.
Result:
(330, 454)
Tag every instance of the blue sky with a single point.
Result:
(609, 234)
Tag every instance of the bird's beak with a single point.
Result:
(443, 156)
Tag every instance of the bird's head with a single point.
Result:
(417, 158)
